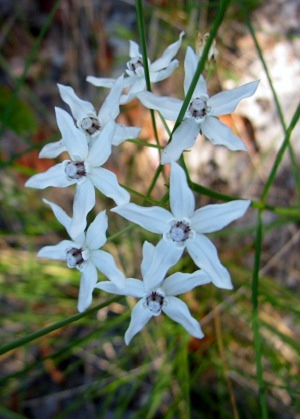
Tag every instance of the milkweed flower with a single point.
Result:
(90, 122)
(201, 114)
(184, 227)
(83, 170)
(83, 252)
(158, 295)
(135, 80)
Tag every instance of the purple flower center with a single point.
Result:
(135, 63)
(75, 170)
(197, 108)
(90, 125)
(155, 302)
(74, 258)
(179, 232)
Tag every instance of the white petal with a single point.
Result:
(110, 108)
(167, 106)
(123, 133)
(100, 149)
(87, 285)
(139, 317)
(225, 102)
(164, 256)
(55, 176)
(183, 137)
(101, 82)
(178, 311)
(219, 134)
(57, 252)
(107, 183)
(190, 67)
(60, 214)
(164, 74)
(84, 201)
(205, 255)
(182, 200)
(179, 283)
(79, 108)
(167, 56)
(74, 140)
(137, 85)
(133, 287)
(148, 251)
(96, 233)
(134, 49)
(52, 150)
(106, 264)
(214, 217)
(155, 219)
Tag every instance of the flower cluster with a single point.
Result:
(88, 138)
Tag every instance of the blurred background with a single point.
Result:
(84, 369)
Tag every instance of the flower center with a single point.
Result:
(74, 257)
(197, 109)
(135, 63)
(155, 302)
(90, 125)
(75, 170)
(179, 232)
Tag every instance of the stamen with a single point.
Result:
(75, 170)
(90, 124)
(155, 302)
(74, 257)
(197, 108)
(179, 232)
(135, 63)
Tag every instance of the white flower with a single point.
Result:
(83, 170)
(201, 114)
(82, 252)
(183, 227)
(158, 295)
(135, 81)
(89, 121)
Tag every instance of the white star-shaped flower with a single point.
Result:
(135, 81)
(201, 114)
(184, 227)
(83, 170)
(83, 252)
(157, 295)
(89, 121)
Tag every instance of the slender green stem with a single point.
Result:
(255, 319)
(42, 332)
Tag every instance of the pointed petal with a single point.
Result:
(219, 134)
(167, 56)
(225, 102)
(74, 140)
(139, 317)
(79, 108)
(163, 74)
(110, 108)
(100, 81)
(123, 133)
(214, 217)
(55, 176)
(183, 137)
(137, 85)
(100, 149)
(182, 200)
(87, 285)
(190, 67)
(133, 287)
(107, 183)
(52, 150)
(148, 250)
(179, 283)
(178, 311)
(154, 219)
(57, 252)
(165, 255)
(60, 214)
(134, 49)
(205, 255)
(84, 201)
(167, 106)
(105, 263)
(96, 233)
